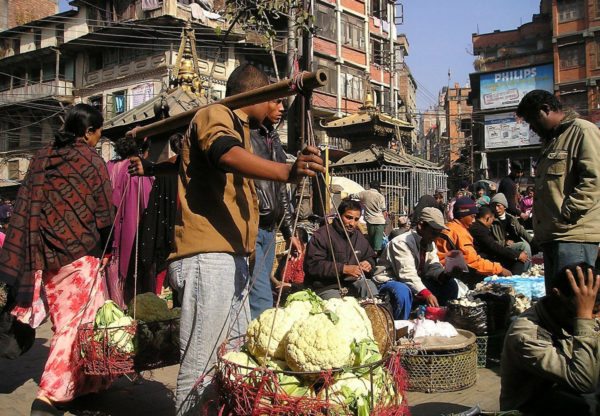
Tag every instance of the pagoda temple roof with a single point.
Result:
(376, 154)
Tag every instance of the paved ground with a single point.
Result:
(153, 395)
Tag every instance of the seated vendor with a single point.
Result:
(457, 237)
(508, 231)
(409, 266)
(326, 273)
(551, 358)
(489, 248)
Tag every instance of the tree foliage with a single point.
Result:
(268, 18)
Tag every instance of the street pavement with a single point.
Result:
(152, 394)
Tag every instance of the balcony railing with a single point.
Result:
(35, 91)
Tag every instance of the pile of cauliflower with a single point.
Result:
(313, 335)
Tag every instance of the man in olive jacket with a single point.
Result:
(567, 188)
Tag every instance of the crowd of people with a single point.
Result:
(210, 215)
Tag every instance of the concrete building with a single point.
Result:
(458, 114)
(19, 12)
(576, 49)
(432, 125)
(115, 61)
(356, 42)
(509, 64)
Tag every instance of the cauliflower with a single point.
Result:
(350, 393)
(245, 363)
(259, 330)
(316, 344)
(306, 296)
(353, 320)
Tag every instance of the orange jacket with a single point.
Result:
(463, 241)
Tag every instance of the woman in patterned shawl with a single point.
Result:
(52, 252)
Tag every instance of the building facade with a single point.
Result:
(509, 64)
(458, 112)
(19, 12)
(357, 44)
(576, 50)
(115, 61)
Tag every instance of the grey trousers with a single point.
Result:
(361, 289)
(214, 286)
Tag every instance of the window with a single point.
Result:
(379, 9)
(353, 83)
(210, 54)
(465, 124)
(37, 38)
(570, 10)
(571, 56)
(597, 44)
(377, 56)
(97, 103)
(353, 33)
(325, 21)
(13, 170)
(330, 70)
(95, 60)
(60, 34)
(16, 45)
(577, 101)
(386, 107)
(110, 57)
(48, 70)
(119, 103)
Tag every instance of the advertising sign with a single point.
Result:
(504, 130)
(507, 88)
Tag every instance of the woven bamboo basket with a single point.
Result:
(442, 368)
(441, 372)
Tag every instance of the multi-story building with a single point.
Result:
(576, 49)
(19, 12)
(115, 60)
(458, 114)
(509, 63)
(432, 124)
(356, 42)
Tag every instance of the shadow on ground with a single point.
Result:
(28, 366)
(437, 409)
(125, 398)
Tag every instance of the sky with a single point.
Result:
(439, 36)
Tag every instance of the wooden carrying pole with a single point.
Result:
(303, 82)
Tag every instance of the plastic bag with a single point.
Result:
(471, 318)
(499, 306)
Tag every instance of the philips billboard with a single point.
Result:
(507, 88)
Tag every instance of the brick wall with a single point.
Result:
(21, 12)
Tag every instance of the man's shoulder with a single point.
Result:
(526, 326)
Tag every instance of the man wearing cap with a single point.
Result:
(411, 259)
(509, 186)
(457, 237)
(375, 213)
(567, 183)
(508, 231)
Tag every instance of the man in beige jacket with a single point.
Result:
(567, 188)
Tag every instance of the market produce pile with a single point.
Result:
(310, 337)
(156, 335)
